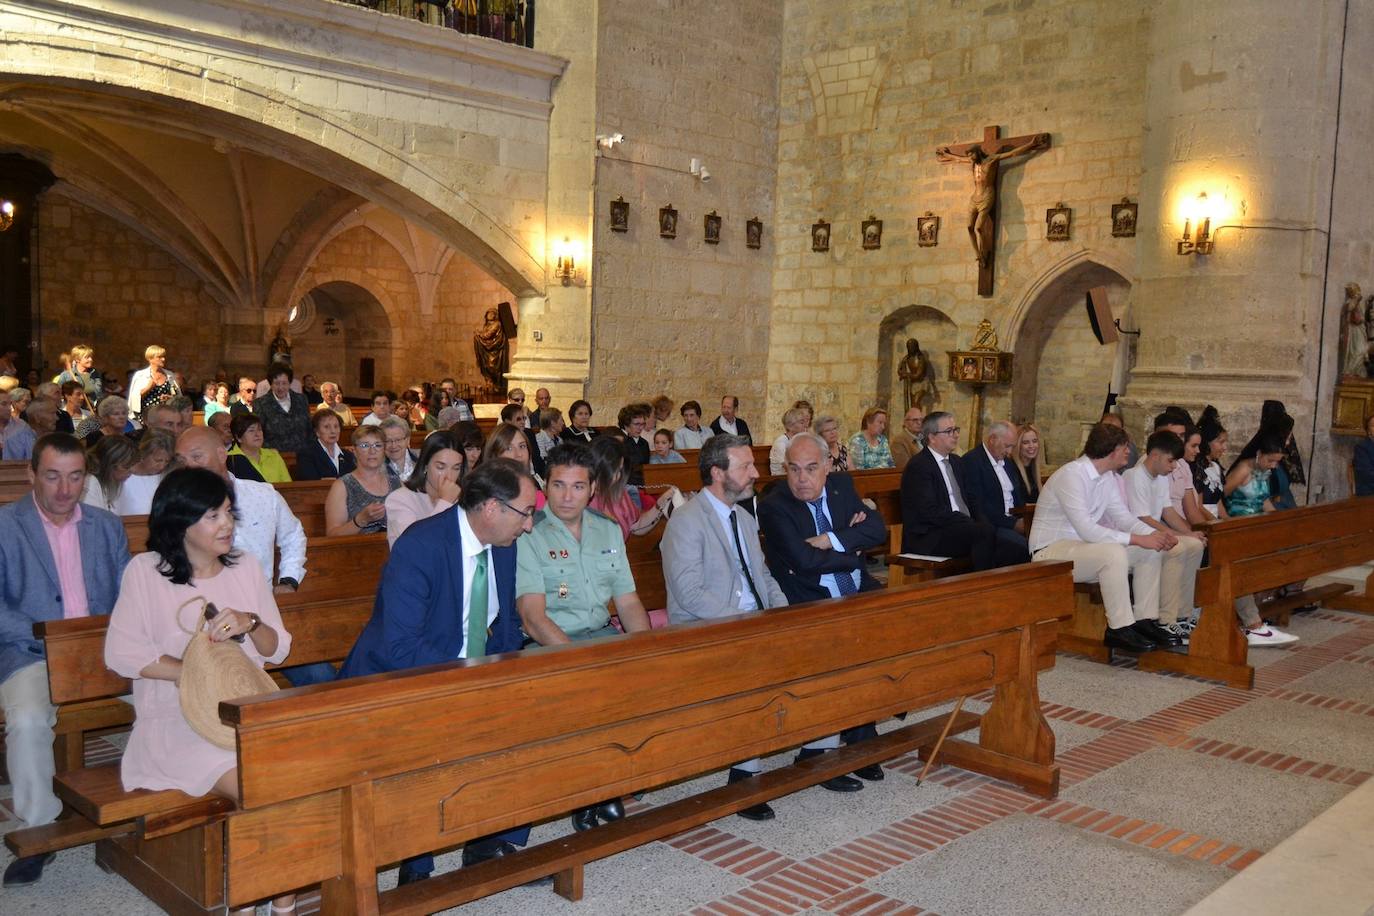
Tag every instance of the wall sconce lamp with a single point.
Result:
(1200, 213)
(567, 254)
(6, 214)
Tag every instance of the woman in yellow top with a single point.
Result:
(248, 459)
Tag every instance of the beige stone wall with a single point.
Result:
(680, 315)
(103, 284)
(867, 94)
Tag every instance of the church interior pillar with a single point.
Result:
(1240, 124)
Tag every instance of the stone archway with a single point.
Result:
(936, 332)
(351, 324)
(1062, 373)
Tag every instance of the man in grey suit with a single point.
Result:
(58, 559)
(713, 566)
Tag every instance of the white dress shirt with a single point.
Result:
(729, 427)
(691, 438)
(1000, 469)
(947, 473)
(265, 521)
(1079, 504)
(333, 453)
(471, 547)
(744, 596)
(1146, 495)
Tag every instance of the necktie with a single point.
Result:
(953, 485)
(844, 581)
(477, 610)
(743, 562)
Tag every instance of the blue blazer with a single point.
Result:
(983, 491)
(29, 590)
(417, 618)
(1364, 467)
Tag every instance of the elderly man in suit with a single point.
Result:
(713, 567)
(816, 531)
(448, 592)
(936, 517)
(992, 489)
(58, 559)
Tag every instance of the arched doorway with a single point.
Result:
(1062, 373)
(349, 325)
(936, 333)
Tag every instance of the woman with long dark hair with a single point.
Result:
(431, 488)
(190, 568)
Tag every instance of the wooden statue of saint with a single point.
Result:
(491, 345)
(918, 381)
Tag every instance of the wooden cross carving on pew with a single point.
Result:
(984, 156)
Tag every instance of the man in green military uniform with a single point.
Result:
(569, 567)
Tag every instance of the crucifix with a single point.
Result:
(982, 217)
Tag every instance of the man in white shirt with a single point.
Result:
(1147, 496)
(381, 409)
(1080, 516)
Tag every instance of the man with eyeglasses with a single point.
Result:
(936, 519)
(447, 593)
(248, 391)
(517, 396)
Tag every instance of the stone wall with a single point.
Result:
(869, 89)
(103, 284)
(681, 315)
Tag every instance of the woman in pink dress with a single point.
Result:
(190, 556)
(612, 498)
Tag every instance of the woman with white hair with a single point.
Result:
(152, 384)
(794, 421)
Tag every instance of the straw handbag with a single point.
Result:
(212, 672)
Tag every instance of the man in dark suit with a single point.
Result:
(58, 559)
(729, 422)
(992, 489)
(448, 593)
(936, 519)
(815, 532)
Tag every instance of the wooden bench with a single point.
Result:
(322, 631)
(1256, 553)
(705, 696)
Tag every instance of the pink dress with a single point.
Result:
(163, 751)
(624, 511)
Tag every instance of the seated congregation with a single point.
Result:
(541, 530)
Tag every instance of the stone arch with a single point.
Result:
(353, 320)
(172, 93)
(1062, 373)
(933, 328)
(1046, 271)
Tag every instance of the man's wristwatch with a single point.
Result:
(287, 580)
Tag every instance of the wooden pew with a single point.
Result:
(1256, 553)
(80, 684)
(705, 697)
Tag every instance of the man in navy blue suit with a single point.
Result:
(815, 531)
(992, 490)
(448, 592)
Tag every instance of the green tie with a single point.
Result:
(477, 610)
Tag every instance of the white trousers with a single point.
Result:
(29, 720)
(1111, 566)
(1177, 577)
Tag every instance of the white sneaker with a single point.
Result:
(1188, 624)
(1268, 635)
(1179, 629)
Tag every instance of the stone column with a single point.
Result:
(1243, 108)
(561, 358)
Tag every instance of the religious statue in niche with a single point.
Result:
(982, 205)
(279, 349)
(1123, 219)
(872, 233)
(491, 345)
(928, 230)
(667, 222)
(712, 228)
(1058, 223)
(820, 236)
(1354, 341)
(753, 233)
(918, 381)
(620, 215)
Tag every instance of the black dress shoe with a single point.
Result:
(479, 851)
(760, 812)
(584, 819)
(1156, 634)
(406, 876)
(1126, 638)
(611, 811)
(842, 784)
(27, 870)
(873, 773)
